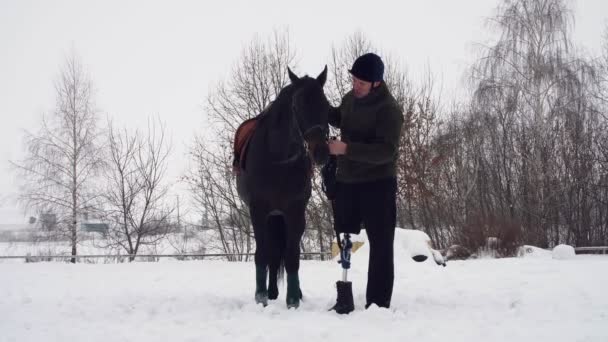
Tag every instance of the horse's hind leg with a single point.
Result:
(273, 278)
(276, 239)
(296, 223)
(273, 288)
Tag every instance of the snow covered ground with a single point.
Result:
(518, 299)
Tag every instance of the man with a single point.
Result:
(370, 122)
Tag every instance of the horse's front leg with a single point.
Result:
(296, 223)
(261, 273)
(261, 258)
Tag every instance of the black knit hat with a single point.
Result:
(368, 67)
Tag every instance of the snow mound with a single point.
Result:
(527, 251)
(412, 242)
(562, 252)
(409, 244)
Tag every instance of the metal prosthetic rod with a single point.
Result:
(345, 301)
(347, 246)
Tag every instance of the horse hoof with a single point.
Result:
(293, 303)
(261, 298)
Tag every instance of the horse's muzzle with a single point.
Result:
(317, 144)
(315, 133)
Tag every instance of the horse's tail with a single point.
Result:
(276, 243)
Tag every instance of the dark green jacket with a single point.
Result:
(371, 128)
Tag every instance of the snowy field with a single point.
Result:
(93, 244)
(516, 299)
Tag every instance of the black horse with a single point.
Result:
(274, 180)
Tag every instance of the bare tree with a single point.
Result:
(418, 156)
(214, 194)
(63, 157)
(601, 195)
(136, 189)
(602, 67)
(533, 97)
(183, 238)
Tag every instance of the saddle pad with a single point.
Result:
(241, 139)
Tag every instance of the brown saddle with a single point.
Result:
(241, 140)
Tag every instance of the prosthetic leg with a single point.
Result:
(345, 302)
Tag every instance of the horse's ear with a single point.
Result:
(322, 76)
(293, 77)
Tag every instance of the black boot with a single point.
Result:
(345, 302)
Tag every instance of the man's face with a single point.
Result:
(362, 88)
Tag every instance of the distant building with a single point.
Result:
(94, 227)
(91, 223)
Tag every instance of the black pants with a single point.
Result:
(373, 205)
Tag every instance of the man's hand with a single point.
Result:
(337, 147)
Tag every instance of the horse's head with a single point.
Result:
(311, 109)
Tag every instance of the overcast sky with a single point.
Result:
(161, 58)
